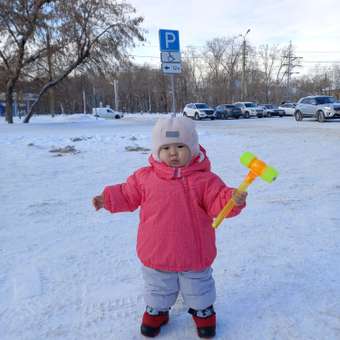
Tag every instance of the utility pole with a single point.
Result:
(244, 52)
(291, 61)
(84, 102)
(115, 88)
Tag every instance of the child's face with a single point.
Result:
(175, 155)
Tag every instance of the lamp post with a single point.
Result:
(243, 82)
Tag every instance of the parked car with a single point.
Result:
(199, 111)
(106, 112)
(225, 111)
(289, 108)
(318, 107)
(270, 110)
(250, 109)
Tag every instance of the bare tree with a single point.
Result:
(230, 65)
(95, 34)
(19, 20)
(214, 54)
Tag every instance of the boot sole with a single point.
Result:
(147, 330)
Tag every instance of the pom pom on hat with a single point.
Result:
(174, 130)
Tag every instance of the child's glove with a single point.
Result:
(239, 197)
(98, 202)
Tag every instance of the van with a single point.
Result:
(106, 112)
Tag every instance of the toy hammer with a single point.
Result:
(257, 168)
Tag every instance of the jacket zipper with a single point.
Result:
(177, 173)
(193, 218)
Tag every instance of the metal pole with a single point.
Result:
(244, 51)
(115, 87)
(173, 94)
(84, 102)
(243, 88)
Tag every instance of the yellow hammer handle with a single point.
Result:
(223, 213)
(229, 206)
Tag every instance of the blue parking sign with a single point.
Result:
(169, 40)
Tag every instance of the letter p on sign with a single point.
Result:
(169, 40)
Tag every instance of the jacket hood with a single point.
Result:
(199, 163)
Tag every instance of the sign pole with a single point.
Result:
(173, 94)
(170, 58)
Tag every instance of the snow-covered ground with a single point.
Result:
(68, 272)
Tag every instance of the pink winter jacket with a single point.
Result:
(177, 209)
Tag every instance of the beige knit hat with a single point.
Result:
(174, 130)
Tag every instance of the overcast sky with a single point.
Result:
(313, 26)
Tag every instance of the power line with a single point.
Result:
(198, 57)
(321, 61)
(298, 51)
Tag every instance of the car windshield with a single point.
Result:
(325, 100)
(229, 106)
(250, 104)
(202, 106)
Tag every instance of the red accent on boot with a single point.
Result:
(210, 321)
(155, 321)
(206, 327)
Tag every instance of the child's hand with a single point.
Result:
(98, 202)
(239, 197)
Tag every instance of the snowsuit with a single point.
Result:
(177, 209)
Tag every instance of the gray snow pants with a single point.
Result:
(161, 288)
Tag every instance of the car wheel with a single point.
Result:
(197, 116)
(298, 116)
(269, 115)
(184, 114)
(218, 115)
(246, 115)
(320, 116)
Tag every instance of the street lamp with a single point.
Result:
(243, 85)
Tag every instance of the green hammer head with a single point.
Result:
(246, 158)
(270, 174)
(266, 172)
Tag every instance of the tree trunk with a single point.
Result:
(9, 102)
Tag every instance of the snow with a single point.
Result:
(68, 272)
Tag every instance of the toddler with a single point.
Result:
(178, 196)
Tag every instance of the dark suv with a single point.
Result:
(225, 111)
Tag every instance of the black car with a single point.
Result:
(270, 110)
(225, 111)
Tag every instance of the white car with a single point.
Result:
(289, 108)
(250, 109)
(106, 112)
(318, 107)
(199, 111)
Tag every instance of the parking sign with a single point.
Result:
(169, 40)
